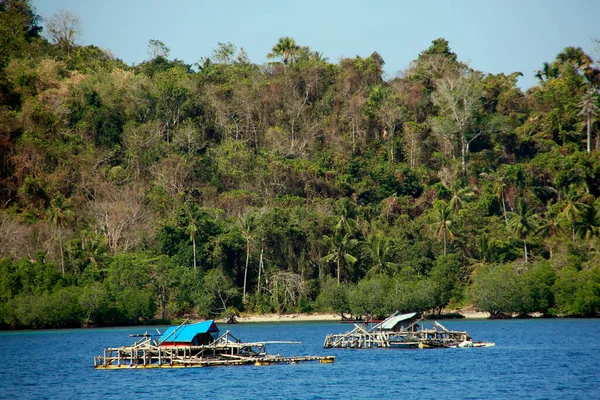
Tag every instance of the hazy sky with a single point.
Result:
(491, 35)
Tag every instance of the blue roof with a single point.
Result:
(187, 333)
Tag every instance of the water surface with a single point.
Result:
(533, 359)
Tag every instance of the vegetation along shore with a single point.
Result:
(145, 193)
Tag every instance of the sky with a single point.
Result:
(492, 36)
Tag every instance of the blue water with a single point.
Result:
(533, 359)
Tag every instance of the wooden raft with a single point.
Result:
(225, 350)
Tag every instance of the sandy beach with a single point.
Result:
(323, 317)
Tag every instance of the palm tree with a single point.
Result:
(443, 223)
(204, 65)
(549, 226)
(378, 246)
(588, 225)
(286, 48)
(548, 71)
(572, 207)
(459, 196)
(346, 223)
(589, 109)
(247, 224)
(575, 58)
(339, 245)
(500, 182)
(60, 213)
(522, 223)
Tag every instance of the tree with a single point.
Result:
(459, 196)
(500, 182)
(459, 100)
(224, 53)
(334, 297)
(444, 278)
(157, 48)
(443, 223)
(219, 293)
(379, 249)
(192, 229)
(247, 225)
(572, 207)
(589, 109)
(346, 224)
(64, 29)
(59, 213)
(18, 27)
(339, 245)
(494, 289)
(286, 49)
(522, 223)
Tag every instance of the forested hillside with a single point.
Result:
(160, 190)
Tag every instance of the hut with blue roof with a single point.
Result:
(198, 334)
(194, 345)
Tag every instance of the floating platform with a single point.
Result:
(194, 345)
(402, 331)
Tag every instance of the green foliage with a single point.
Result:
(577, 293)
(333, 297)
(127, 191)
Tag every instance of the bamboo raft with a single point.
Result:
(224, 350)
(402, 331)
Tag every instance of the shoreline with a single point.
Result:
(330, 317)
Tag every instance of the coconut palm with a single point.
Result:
(59, 213)
(204, 65)
(339, 247)
(286, 48)
(548, 71)
(442, 215)
(572, 207)
(522, 223)
(379, 248)
(589, 109)
(588, 225)
(549, 226)
(459, 196)
(500, 182)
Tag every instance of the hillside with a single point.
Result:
(155, 191)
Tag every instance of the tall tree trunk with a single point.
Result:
(465, 150)
(62, 253)
(338, 269)
(246, 269)
(194, 245)
(589, 135)
(525, 247)
(260, 267)
(504, 208)
(445, 246)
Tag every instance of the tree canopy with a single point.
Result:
(135, 193)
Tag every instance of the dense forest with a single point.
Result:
(131, 194)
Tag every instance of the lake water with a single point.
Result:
(537, 359)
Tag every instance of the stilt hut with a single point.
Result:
(194, 345)
(401, 331)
